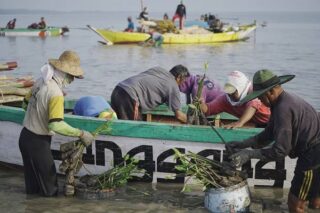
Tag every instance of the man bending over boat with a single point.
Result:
(155, 39)
(147, 90)
(293, 130)
(44, 117)
(254, 113)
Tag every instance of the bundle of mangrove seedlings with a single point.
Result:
(194, 113)
(105, 184)
(211, 173)
(71, 155)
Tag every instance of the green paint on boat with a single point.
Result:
(142, 129)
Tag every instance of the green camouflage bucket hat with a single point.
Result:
(263, 81)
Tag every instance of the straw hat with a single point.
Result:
(263, 81)
(68, 62)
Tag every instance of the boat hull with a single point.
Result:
(118, 37)
(150, 142)
(50, 31)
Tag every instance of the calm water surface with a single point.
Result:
(135, 198)
(289, 44)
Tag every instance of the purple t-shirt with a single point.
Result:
(210, 91)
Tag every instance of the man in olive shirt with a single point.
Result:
(147, 90)
(294, 127)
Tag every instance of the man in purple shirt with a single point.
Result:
(210, 91)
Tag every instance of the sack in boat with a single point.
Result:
(165, 26)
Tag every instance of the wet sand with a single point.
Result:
(136, 197)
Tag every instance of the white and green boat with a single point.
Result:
(151, 142)
(49, 31)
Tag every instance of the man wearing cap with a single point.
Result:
(294, 127)
(254, 113)
(44, 117)
(147, 90)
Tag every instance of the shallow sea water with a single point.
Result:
(289, 44)
(135, 198)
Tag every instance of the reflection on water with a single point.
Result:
(136, 197)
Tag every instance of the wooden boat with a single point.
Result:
(151, 142)
(49, 31)
(8, 66)
(119, 37)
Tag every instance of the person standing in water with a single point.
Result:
(43, 118)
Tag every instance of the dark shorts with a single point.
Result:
(125, 107)
(305, 184)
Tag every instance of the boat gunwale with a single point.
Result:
(143, 129)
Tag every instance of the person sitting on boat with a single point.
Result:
(11, 24)
(254, 113)
(181, 14)
(94, 106)
(33, 26)
(130, 27)
(155, 39)
(43, 118)
(148, 90)
(144, 14)
(215, 24)
(42, 24)
(211, 89)
(293, 131)
(165, 17)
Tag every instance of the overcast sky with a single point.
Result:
(163, 5)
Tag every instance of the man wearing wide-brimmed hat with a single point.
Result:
(294, 127)
(44, 117)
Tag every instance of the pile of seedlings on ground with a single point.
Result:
(71, 155)
(98, 186)
(211, 173)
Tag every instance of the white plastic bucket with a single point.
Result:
(231, 199)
